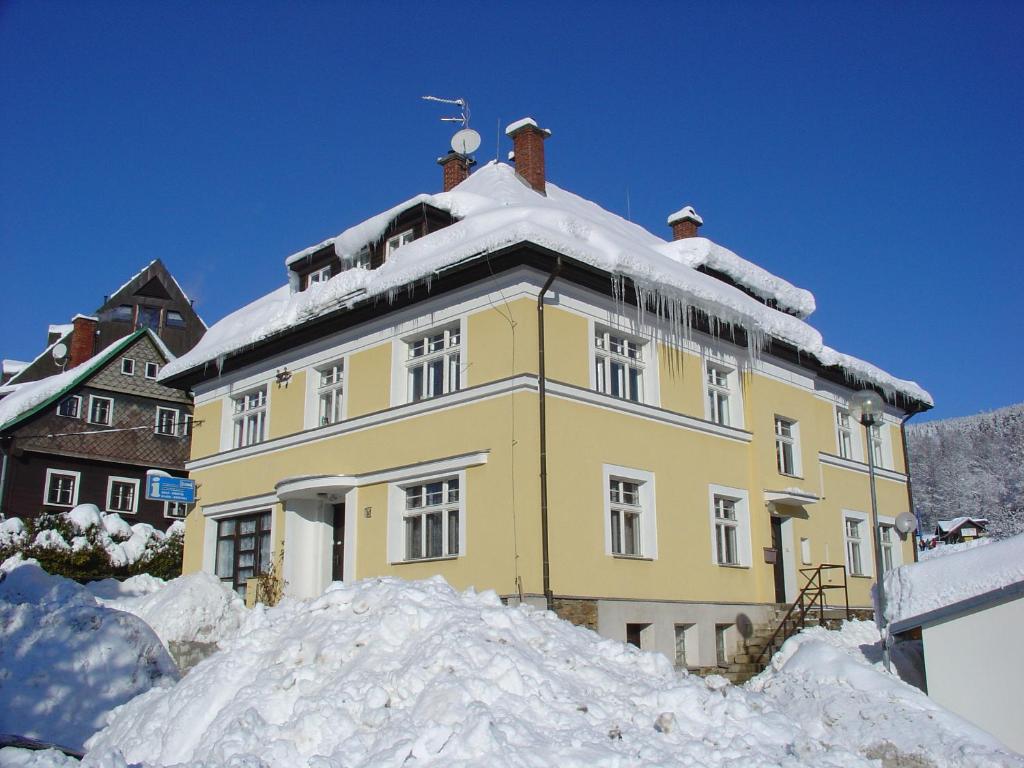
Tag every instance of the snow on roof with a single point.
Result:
(60, 328)
(48, 352)
(948, 526)
(33, 394)
(919, 588)
(685, 213)
(519, 124)
(13, 366)
(494, 210)
(130, 279)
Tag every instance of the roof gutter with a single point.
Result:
(549, 597)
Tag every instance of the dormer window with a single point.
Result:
(362, 259)
(398, 241)
(319, 276)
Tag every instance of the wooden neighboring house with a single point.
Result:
(89, 434)
(960, 529)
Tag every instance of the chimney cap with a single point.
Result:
(453, 155)
(686, 214)
(524, 124)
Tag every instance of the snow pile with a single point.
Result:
(495, 210)
(12, 533)
(834, 683)
(65, 660)
(940, 549)
(386, 672)
(193, 608)
(915, 589)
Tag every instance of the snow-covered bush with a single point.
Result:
(85, 544)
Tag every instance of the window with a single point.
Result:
(166, 421)
(718, 382)
(722, 644)
(876, 445)
(61, 488)
(177, 510)
(726, 531)
(123, 313)
(250, 418)
(152, 369)
(319, 276)
(174, 319)
(362, 258)
(885, 539)
(122, 495)
(729, 516)
(805, 551)
(330, 386)
(618, 365)
(398, 241)
(686, 640)
(844, 433)
(149, 317)
(786, 434)
(626, 513)
(101, 410)
(854, 528)
(70, 407)
(243, 549)
(127, 366)
(434, 363)
(432, 519)
(639, 635)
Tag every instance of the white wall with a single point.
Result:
(975, 669)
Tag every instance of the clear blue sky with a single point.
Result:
(872, 153)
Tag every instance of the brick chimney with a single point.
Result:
(83, 340)
(455, 168)
(528, 139)
(685, 223)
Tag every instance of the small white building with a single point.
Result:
(967, 611)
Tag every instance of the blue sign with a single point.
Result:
(161, 488)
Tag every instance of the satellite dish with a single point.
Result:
(60, 350)
(466, 141)
(905, 522)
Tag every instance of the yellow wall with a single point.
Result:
(368, 381)
(206, 429)
(287, 406)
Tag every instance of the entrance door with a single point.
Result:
(338, 546)
(780, 564)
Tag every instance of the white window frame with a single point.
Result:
(398, 513)
(110, 411)
(646, 508)
(397, 241)
(865, 542)
(50, 474)
(168, 505)
(685, 639)
(155, 367)
(176, 422)
(845, 433)
(741, 505)
(792, 440)
(445, 355)
(321, 275)
(895, 542)
(731, 391)
(132, 481)
(334, 390)
(603, 357)
(241, 411)
(127, 366)
(361, 258)
(883, 454)
(78, 406)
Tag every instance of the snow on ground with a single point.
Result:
(193, 608)
(915, 589)
(834, 684)
(65, 660)
(940, 550)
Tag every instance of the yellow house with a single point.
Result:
(511, 387)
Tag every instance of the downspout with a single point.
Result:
(549, 597)
(910, 488)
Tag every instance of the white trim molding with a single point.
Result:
(648, 509)
(111, 479)
(74, 495)
(856, 466)
(741, 497)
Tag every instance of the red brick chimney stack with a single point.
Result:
(528, 139)
(83, 340)
(685, 223)
(455, 168)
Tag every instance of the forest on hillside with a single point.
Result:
(973, 465)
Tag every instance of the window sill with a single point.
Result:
(734, 566)
(618, 556)
(794, 477)
(425, 560)
(860, 576)
(120, 512)
(97, 424)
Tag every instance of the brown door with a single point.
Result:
(338, 547)
(780, 565)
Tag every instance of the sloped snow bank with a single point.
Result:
(390, 673)
(65, 660)
(834, 683)
(917, 588)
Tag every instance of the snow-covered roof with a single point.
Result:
(920, 588)
(687, 213)
(13, 366)
(948, 526)
(48, 352)
(60, 328)
(494, 209)
(27, 397)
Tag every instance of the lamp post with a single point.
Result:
(867, 407)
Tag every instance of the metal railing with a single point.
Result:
(810, 599)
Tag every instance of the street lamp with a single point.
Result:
(867, 407)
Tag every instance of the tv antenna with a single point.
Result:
(466, 140)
